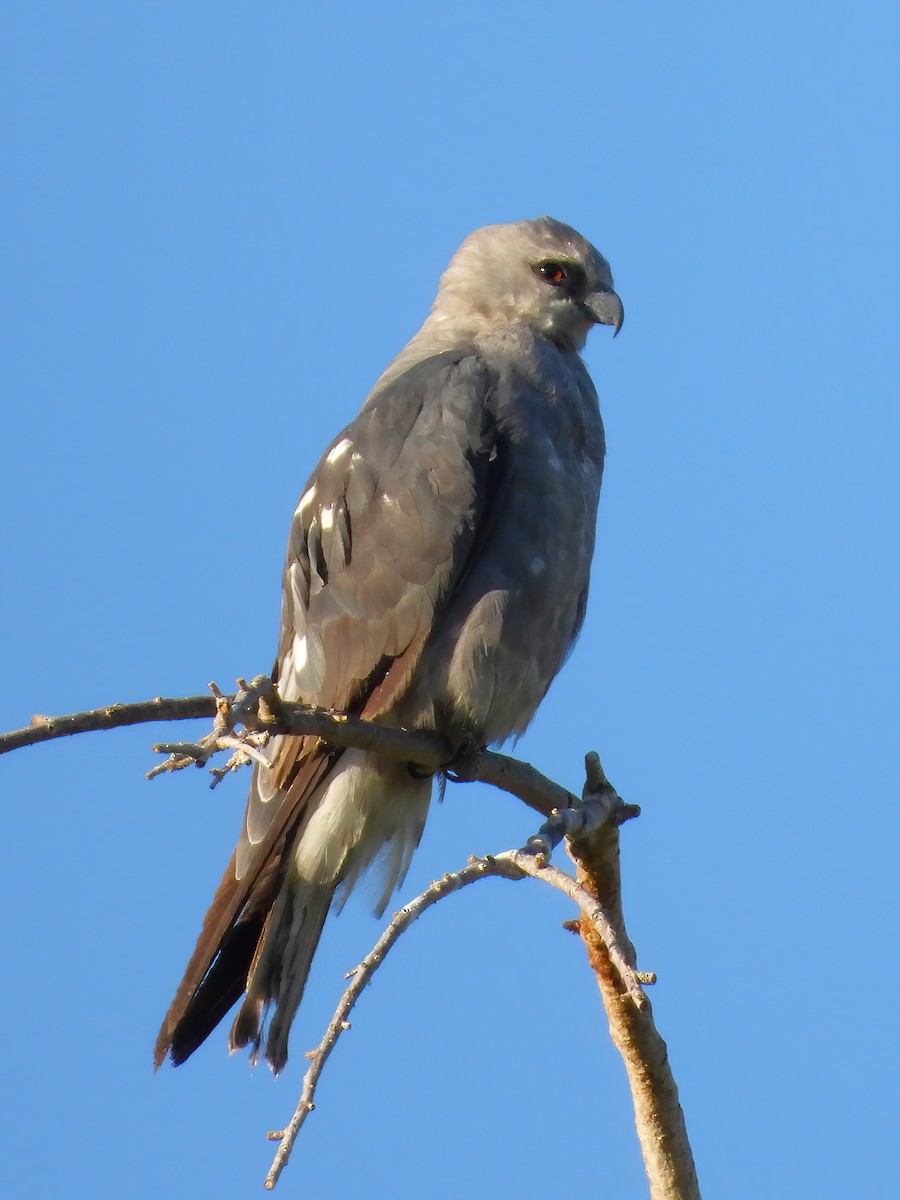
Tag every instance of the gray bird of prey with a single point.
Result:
(436, 578)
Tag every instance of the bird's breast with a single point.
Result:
(508, 628)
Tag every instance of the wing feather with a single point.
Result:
(378, 540)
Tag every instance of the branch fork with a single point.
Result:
(254, 704)
(589, 828)
(601, 805)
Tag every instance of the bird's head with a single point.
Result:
(540, 273)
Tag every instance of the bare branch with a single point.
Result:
(658, 1116)
(45, 729)
(513, 864)
(267, 713)
(427, 750)
(595, 810)
(590, 827)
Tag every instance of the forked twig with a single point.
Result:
(590, 827)
(512, 864)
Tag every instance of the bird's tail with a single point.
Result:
(279, 969)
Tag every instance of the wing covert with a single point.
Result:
(380, 535)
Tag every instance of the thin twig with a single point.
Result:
(528, 864)
(359, 978)
(512, 864)
(113, 716)
(244, 746)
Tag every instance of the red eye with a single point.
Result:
(553, 272)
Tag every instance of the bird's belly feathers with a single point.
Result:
(511, 646)
(510, 627)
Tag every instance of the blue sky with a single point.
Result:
(222, 220)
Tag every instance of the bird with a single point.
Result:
(436, 577)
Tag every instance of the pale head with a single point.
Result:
(539, 273)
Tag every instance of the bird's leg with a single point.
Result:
(462, 765)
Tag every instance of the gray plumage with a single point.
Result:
(436, 577)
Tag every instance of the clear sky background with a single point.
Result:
(221, 221)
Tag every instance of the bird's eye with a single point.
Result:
(554, 273)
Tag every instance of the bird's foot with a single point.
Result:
(462, 765)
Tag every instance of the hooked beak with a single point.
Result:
(606, 309)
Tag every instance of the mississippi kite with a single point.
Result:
(436, 578)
